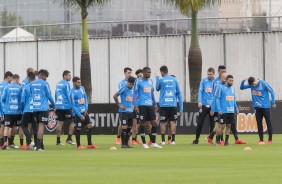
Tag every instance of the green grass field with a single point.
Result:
(181, 163)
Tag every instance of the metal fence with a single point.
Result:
(156, 27)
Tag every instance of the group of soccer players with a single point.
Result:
(24, 106)
(138, 106)
(217, 99)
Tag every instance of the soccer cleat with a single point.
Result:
(217, 143)
(155, 145)
(31, 146)
(162, 143)
(172, 143)
(239, 142)
(169, 141)
(145, 146)
(269, 142)
(80, 147)
(117, 140)
(40, 149)
(123, 146)
(14, 146)
(91, 146)
(128, 146)
(60, 144)
(196, 141)
(70, 142)
(22, 147)
(150, 142)
(135, 142)
(261, 143)
(226, 144)
(209, 140)
(222, 143)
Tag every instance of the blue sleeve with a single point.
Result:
(23, 99)
(3, 97)
(235, 105)
(217, 98)
(74, 109)
(213, 104)
(270, 90)
(135, 95)
(201, 88)
(121, 90)
(244, 86)
(179, 97)
(158, 84)
(49, 95)
(86, 99)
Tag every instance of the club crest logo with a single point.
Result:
(52, 122)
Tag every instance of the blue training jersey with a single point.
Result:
(260, 94)
(79, 102)
(25, 82)
(215, 84)
(26, 99)
(215, 92)
(122, 83)
(11, 98)
(144, 90)
(41, 93)
(169, 92)
(62, 95)
(206, 91)
(226, 99)
(126, 96)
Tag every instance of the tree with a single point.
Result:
(195, 54)
(10, 19)
(85, 68)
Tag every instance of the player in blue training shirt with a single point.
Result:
(127, 73)
(125, 110)
(11, 99)
(204, 103)
(260, 101)
(170, 93)
(7, 79)
(79, 104)
(63, 107)
(227, 107)
(28, 118)
(147, 106)
(26, 80)
(41, 93)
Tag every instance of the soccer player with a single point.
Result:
(204, 103)
(11, 99)
(26, 80)
(260, 101)
(63, 107)
(80, 107)
(126, 110)
(127, 73)
(41, 93)
(144, 90)
(227, 107)
(7, 79)
(169, 94)
(28, 118)
(136, 120)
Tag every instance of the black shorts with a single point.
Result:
(147, 113)
(63, 115)
(227, 118)
(13, 120)
(41, 117)
(126, 118)
(28, 117)
(79, 123)
(136, 115)
(215, 117)
(168, 114)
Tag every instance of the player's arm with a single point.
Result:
(49, 94)
(235, 105)
(135, 94)
(4, 95)
(154, 99)
(179, 97)
(86, 101)
(73, 107)
(217, 99)
(244, 86)
(271, 91)
(200, 94)
(23, 99)
(116, 95)
(158, 83)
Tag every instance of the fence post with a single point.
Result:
(263, 54)
(224, 49)
(109, 67)
(73, 63)
(147, 50)
(4, 57)
(185, 70)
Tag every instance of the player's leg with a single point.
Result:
(235, 133)
(2, 133)
(163, 122)
(202, 115)
(21, 135)
(152, 118)
(259, 117)
(266, 114)
(118, 134)
(123, 135)
(43, 117)
(149, 131)
(7, 130)
(172, 118)
(89, 127)
(134, 131)
(26, 122)
(168, 134)
(128, 130)
(173, 131)
(227, 133)
(58, 132)
(71, 130)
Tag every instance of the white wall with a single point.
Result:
(244, 57)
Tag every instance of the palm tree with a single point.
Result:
(195, 54)
(85, 68)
